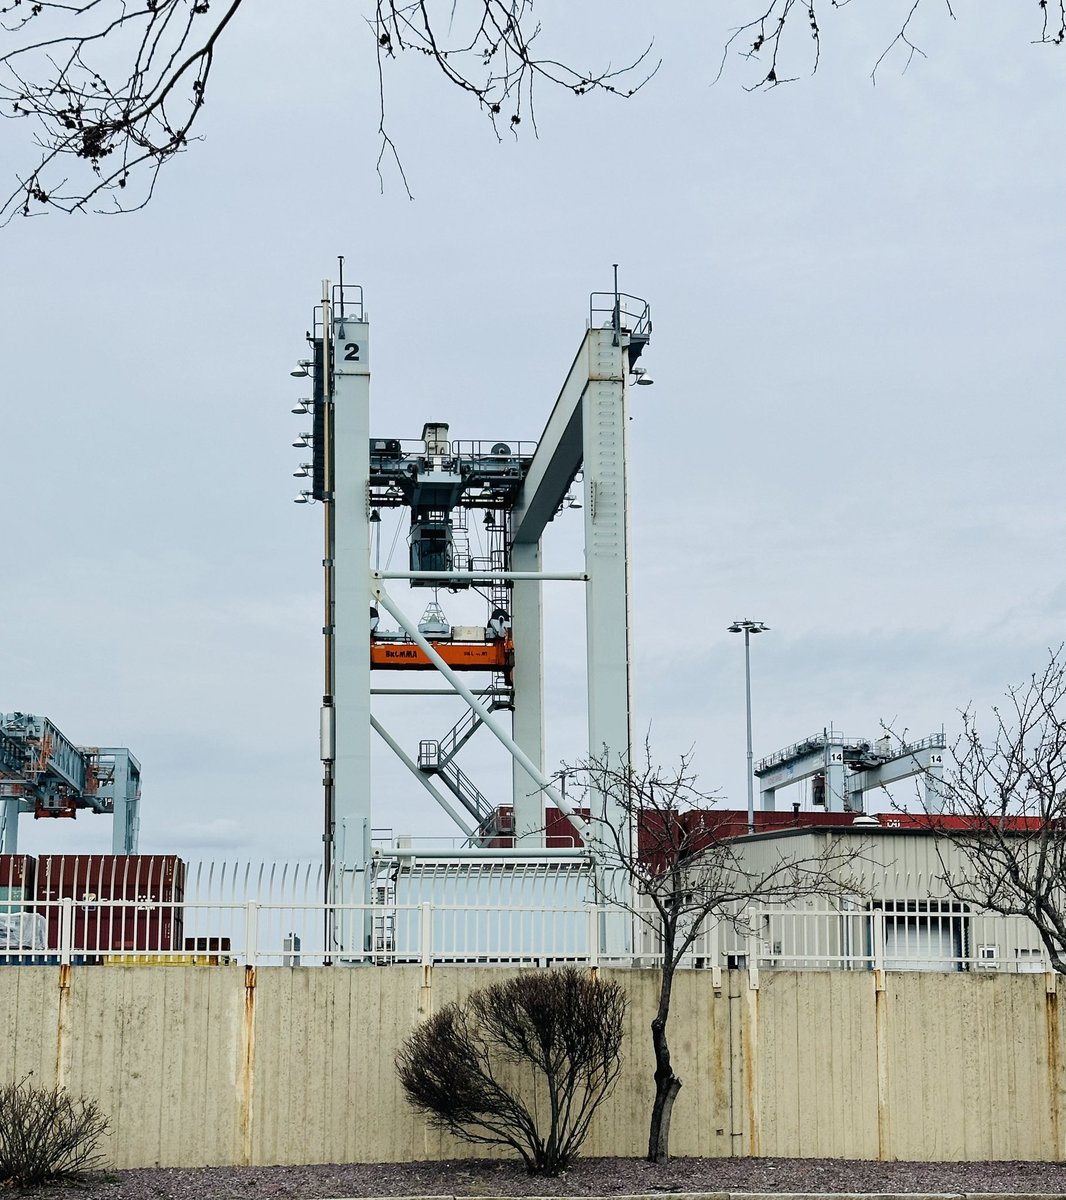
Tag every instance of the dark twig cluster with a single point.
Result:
(466, 1067)
(773, 39)
(1053, 22)
(490, 53)
(112, 89)
(488, 50)
(106, 85)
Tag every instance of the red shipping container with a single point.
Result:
(16, 876)
(151, 885)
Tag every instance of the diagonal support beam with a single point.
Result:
(489, 721)
(409, 763)
(558, 456)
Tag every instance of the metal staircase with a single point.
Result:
(437, 757)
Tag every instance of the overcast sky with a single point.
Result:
(855, 435)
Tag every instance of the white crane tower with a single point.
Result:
(516, 489)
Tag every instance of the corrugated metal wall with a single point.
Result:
(213, 1065)
(890, 866)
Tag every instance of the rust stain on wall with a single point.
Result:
(1051, 1010)
(62, 1025)
(735, 1066)
(425, 994)
(750, 1067)
(720, 1076)
(247, 1078)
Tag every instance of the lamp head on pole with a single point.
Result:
(748, 626)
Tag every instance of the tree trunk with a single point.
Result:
(659, 1136)
(667, 1084)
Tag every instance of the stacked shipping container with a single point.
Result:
(122, 903)
(143, 895)
(16, 881)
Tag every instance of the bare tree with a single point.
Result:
(773, 39)
(462, 1066)
(1002, 806)
(673, 862)
(112, 89)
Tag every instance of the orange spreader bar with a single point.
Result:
(460, 656)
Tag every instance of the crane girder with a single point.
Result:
(44, 773)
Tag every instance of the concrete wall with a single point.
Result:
(210, 1065)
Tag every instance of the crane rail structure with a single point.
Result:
(44, 773)
(843, 768)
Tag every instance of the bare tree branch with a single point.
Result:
(1002, 806)
(58, 82)
(673, 848)
(112, 90)
(766, 41)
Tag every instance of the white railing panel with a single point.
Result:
(277, 914)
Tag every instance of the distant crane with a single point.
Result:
(843, 768)
(42, 772)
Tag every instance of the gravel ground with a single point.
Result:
(589, 1177)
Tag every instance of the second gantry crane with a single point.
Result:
(44, 773)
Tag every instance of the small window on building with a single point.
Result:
(1029, 961)
(988, 957)
(736, 962)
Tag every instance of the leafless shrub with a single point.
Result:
(47, 1134)
(464, 1066)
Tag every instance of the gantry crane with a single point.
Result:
(42, 772)
(517, 488)
(843, 768)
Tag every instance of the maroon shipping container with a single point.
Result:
(152, 885)
(16, 876)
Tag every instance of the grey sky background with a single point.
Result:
(856, 431)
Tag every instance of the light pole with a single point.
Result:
(747, 628)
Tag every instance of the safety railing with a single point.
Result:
(498, 451)
(889, 936)
(933, 741)
(620, 311)
(905, 936)
(137, 933)
(817, 741)
(833, 737)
